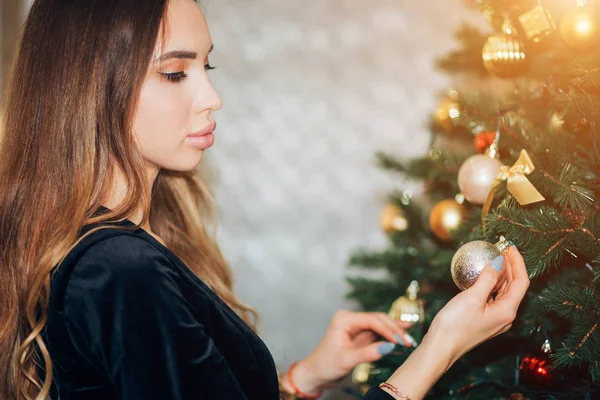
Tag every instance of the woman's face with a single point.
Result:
(173, 120)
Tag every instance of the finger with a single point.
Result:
(487, 280)
(363, 338)
(516, 289)
(399, 333)
(357, 322)
(372, 352)
(403, 324)
(502, 289)
(518, 268)
(509, 272)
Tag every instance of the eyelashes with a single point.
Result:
(176, 77)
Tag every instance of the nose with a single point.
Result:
(207, 98)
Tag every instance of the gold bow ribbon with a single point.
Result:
(517, 184)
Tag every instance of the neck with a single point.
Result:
(119, 191)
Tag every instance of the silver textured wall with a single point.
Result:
(311, 90)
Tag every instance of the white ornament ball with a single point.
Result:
(476, 177)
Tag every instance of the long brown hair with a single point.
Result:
(67, 127)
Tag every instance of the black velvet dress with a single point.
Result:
(128, 320)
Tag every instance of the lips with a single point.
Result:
(205, 131)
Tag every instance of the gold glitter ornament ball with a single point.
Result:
(471, 259)
(504, 56)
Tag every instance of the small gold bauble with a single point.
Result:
(556, 122)
(446, 216)
(580, 27)
(504, 56)
(408, 308)
(448, 111)
(361, 375)
(392, 219)
(471, 258)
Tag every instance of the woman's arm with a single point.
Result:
(469, 319)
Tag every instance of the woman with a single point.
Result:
(111, 286)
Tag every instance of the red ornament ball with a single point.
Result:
(483, 140)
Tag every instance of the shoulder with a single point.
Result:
(109, 261)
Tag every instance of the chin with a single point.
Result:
(184, 163)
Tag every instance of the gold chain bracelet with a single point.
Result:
(394, 389)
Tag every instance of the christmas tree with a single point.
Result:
(520, 160)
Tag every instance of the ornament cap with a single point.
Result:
(503, 244)
(413, 290)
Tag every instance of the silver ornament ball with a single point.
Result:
(471, 259)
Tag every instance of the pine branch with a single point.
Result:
(582, 307)
(379, 260)
(568, 190)
(543, 235)
(373, 294)
(440, 171)
(585, 71)
(467, 59)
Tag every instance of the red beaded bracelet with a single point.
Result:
(300, 393)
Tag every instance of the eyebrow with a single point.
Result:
(190, 55)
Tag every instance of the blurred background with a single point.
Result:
(311, 91)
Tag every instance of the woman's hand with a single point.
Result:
(349, 341)
(470, 318)
(473, 317)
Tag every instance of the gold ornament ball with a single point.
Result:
(446, 216)
(504, 56)
(392, 219)
(409, 308)
(580, 28)
(448, 111)
(471, 258)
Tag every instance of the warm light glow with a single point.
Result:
(409, 317)
(583, 26)
(454, 113)
(452, 219)
(400, 223)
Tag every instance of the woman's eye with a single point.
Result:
(208, 67)
(175, 77)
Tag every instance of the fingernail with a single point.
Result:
(497, 263)
(399, 339)
(385, 348)
(411, 340)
